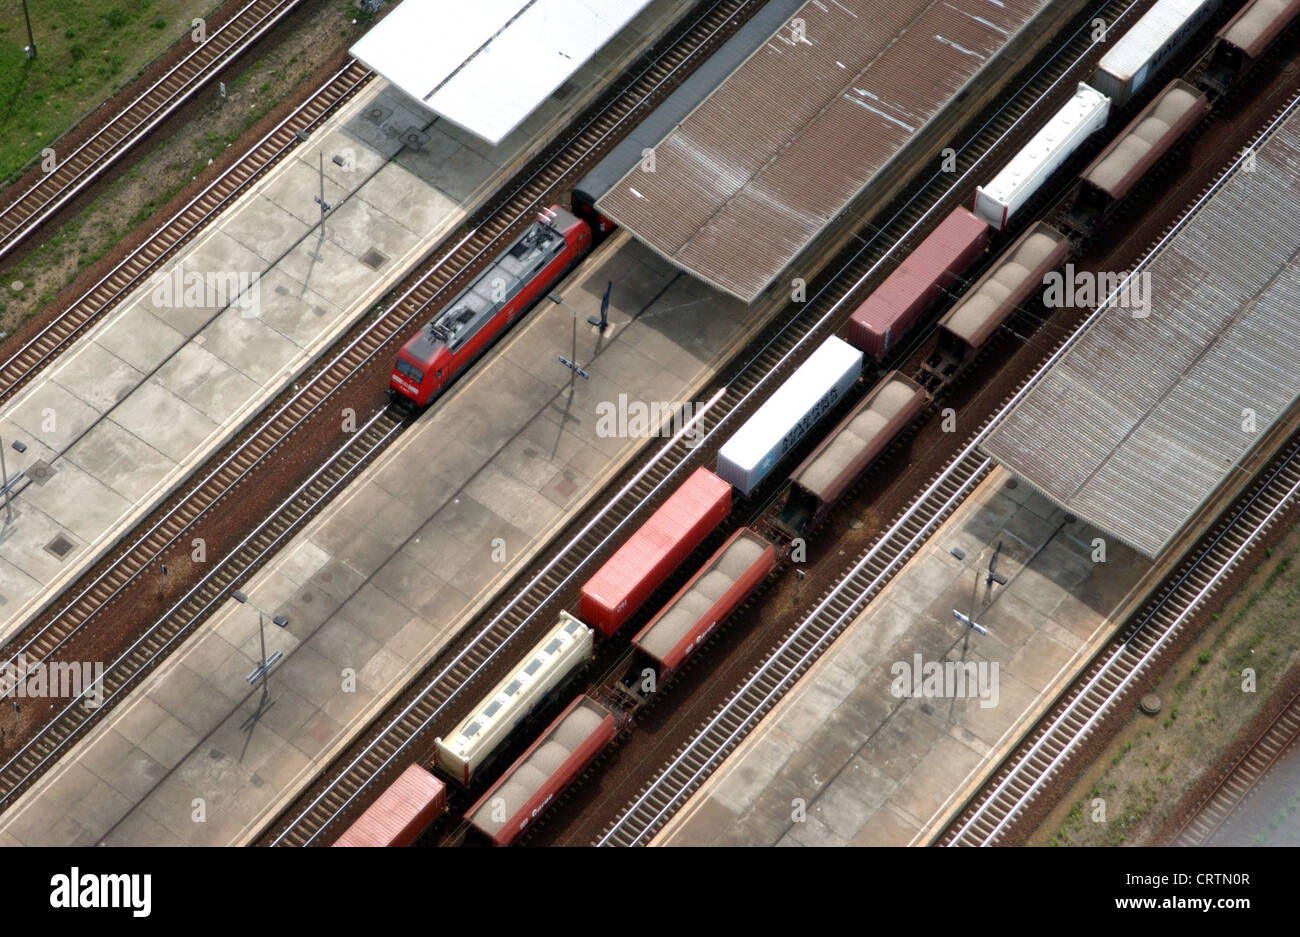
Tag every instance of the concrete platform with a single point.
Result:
(164, 381)
(862, 758)
(387, 574)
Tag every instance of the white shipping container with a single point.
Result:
(1080, 117)
(806, 396)
(1142, 50)
(552, 659)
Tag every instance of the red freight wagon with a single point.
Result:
(712, 594)
(890, 311)
(640, 566)
(559, 755)
(401, 813)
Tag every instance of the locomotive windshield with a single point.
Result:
(410, 371)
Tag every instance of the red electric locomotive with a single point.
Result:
(487, 307)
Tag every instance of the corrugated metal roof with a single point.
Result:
(785, 144)
(743, 43)
(1142, 419)
(487, 65)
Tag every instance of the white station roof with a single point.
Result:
(486, 65)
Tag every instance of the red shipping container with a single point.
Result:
(401, 813)
(708, 599)
(663, 542)
(890, 311)
(560, 754)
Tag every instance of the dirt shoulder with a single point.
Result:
(1153, 769)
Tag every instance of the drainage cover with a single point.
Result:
(564, 91)
(59, 546)
(373, 259)
(377, 114)
(40, 472)
(414, 138)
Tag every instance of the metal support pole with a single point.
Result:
(31, 40)
(4, 482)
(320, 199)
(266, 671)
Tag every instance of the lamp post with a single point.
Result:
(4, 485)
(262, 671)
(570, 363)
(325, 207)
(969, 620)
(31, 41)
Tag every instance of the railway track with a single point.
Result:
(1119, 671)
(1246, 772)
(527, 612)
(132, 123)
(1133, 658)
(167, 631)
(378, 339)
(133, 271)
(669, 789)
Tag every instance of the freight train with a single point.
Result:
(658, 549)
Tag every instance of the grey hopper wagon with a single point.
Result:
(821, 480)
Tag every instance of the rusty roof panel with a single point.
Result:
(1142, 419)
(783, 146)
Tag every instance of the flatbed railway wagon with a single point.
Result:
(1012, 188)
(918, 283)
(823, 478)
(541, 773)
(640, 566)
(401, 813)
(1004, 288)
(1148, 45)
(694, 613)
(496, 299)
(1246, 37)
(1131, 155)
(799, 404)
(463, 751)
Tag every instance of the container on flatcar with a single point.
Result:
(1246, 37)
(660, 545)
(1130, 156)
(709, 598)
(891, 310)
(541, 773)
(968, 325)
(1145, 48)
(1079, 118)
(859, 439)
(564, 649)
(401, 813)
(807, 395)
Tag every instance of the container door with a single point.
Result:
(1139, 79)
